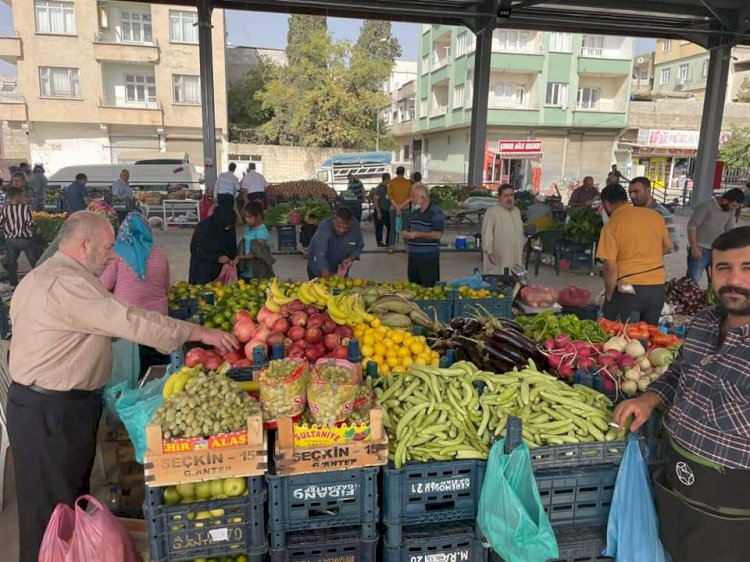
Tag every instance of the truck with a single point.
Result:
(368, 167)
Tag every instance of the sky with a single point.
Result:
(257, 29)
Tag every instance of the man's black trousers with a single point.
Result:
(53, 442)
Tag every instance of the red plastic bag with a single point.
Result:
(206, 207)
(82, 536)
(574, 297)
(538, 296)
(228, 274)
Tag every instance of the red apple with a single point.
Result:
(274, 338)
(312, 353)
(328, 326)
(344, 331)
(243, 330)
(296, 352)
(271, 319)
(244, 363)
(313, 335)
(296, 333)
(298, 318)
(314, 321)
(281, 325)
(284, 310)
(341, 352)
(241, 315)
(296, 306)
(263, 314)
(212, 362)
(261, 333)
(331, 341)
(195, 356)
(233, 357)
(311, 309)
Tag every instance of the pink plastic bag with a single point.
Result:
(82, 536)
(228, 274)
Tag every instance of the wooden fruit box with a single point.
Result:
(292, 459)
(169, 462)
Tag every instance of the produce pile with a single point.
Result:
(685, 296)
(541, 327)
(48, 224)
(538, 296)
(228, 300)
(218, 489)
(197, 403)
(583, 226)
(393, 350)
(301, 189)
(433, 414)
(451, 197)
(652, 335)
(295, 213)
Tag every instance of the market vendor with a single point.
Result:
(703, 494)
(632, 245)
(60, 358)
(336, 244)
(584, 194)
(502, 234)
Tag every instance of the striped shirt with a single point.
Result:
(707, 391)
(151, 292)
(431, 219)
(31, 199)
(16, 220)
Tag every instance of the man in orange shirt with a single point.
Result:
(399, 192)
(632, 245)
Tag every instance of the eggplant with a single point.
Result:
(514, 339)
(471, 327)
(458, 322)
(512, 324)
(506, 355)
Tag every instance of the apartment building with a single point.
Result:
(399, 117)
(557, 102)
(109, 82)
(681, 69)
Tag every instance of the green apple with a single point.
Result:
(203, 490)
(234, 487)
(241, 558)
(171, 496)
(186, 490)
(217, 488)
(191, 516)
(202, 515)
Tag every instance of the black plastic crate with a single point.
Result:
(324, 500)
(432, 492)
(588, 312)
(578, 497)
(577, 545)
(577, 455)
(432, 543)
(286, 238)
(234, 526)
(326, 546)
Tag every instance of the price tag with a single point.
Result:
(219, 535)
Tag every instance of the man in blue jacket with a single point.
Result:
(337, 242)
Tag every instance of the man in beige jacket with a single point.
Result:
(502, 234)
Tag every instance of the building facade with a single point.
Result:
(110, 82)
(398, 118)
(557, 102)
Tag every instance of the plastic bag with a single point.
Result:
(228, 274)
(473, 282)
(511, 516)
(538, 296)
(633, 527)
(399, 226)
(283, 397)
(205, 207)
(80, 536)
(126, 366)
(136, 407)
(332, 391)
(574, 297)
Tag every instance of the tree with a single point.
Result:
(743, 93)
(245, 108)
(736, 151)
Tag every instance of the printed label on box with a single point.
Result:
(451, 485)
(218, 441)
(319, 436)
(457, 556)
(334, 491)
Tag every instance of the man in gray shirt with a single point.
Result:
(76, 195)
(121, 189)
(709, 220)
(337, 242)
(640, 195)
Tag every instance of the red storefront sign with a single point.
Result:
(520, 148)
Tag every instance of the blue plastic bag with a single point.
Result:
(633, 527)
(511, 516)
(135, 408)
(126, 366)
(473, 282)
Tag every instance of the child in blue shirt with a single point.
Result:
(253, 231)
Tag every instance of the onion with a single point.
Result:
(617, 343)
(635, 349)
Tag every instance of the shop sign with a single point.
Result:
(520, 148)
(673, 138)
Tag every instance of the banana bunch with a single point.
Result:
(348, 310)
(312, 292)
(177, 380)
(275, 296)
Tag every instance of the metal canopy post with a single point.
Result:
(713, 111)
(208, 111)
(480, 100)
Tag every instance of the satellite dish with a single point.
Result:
(640, 60)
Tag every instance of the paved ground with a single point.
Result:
(375, 265)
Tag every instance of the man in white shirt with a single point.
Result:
(227, 187)
(255, 184)
(121, 188)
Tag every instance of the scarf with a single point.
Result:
(134, 243)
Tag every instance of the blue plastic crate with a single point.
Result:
(448, 542)
(499, 307)
(236, 526)
(324, 500)
(577, 545)
(442, 309)
(326, 546)
(578, 497)
(432, 492)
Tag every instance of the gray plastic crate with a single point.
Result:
(442, 542)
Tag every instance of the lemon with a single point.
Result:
(416, 348)
(379, 348)
(397, 336)
(392, 361)
(366, 350)
(388, 342)
(406, 361)
(408, 340)
(368, 339)
(379, 359)
(422, 360)
(403, 352)
(375, 323)
(384, 370)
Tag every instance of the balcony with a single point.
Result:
(117, 111)
(604, 52)
(607, 106)
(110, 47)
(604, 114)
(404, 128)
(438, 110)
(600, 66)
(12, 106)
(10, 45)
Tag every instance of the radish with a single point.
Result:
(606, 360)
(554, 361)
(549, 344)
(565, 371)
(626, 362)
(635, 349)
(585, 363)
(562, 340)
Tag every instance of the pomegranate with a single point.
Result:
(311, 309)
(341, 352)
(345, 331)
(252, 344)
(195, 356)
(261, 333)
(212, 362)
(271, 319)
(312, 353)
(281, 325)
(263, 314)
(296, 306)
(275, 338)
(243, 330)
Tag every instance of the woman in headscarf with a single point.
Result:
(139, 276)
(214, 243)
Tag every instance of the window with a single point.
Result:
(588, 98)
(136, 27)
(557, 94)
(183, 26)
(186, 89)
(458, 96)
(682, 73)
(59, 82)
(54, 16)
(425, 64)
(423, 108)
(667, 45)
(704, 69)
(140, 88)
(559, 42)
(508, 95)
(664, 76)
(407, 152)
(593, 46)
(462, 44)
(511, 40)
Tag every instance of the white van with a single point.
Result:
(146, 177)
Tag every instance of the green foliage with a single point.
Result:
(584, 225)
(245, 109)
(736, 151)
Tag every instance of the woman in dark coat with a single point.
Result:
(214, 243)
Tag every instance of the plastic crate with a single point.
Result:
(579, 497)
(577, 545)
(286, 238)
(443, 542)
(326, 546)
(500, 307)
(432, 492)
(578, 455)
(442, 309)
(238, 529)
(322, 500)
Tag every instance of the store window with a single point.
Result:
(59, 82)
(557, 94)
(53, 16)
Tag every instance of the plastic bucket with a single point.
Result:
(460, 242)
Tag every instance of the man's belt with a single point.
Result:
(73, 393)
